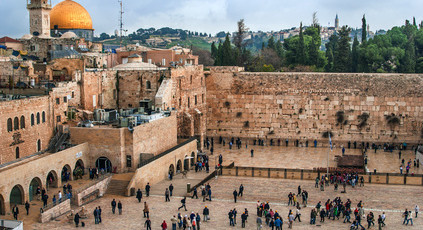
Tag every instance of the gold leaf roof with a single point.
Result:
(70, 15)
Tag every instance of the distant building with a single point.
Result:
(336, 22)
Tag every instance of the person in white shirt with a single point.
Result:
(416, 209)
(60, 196)
(383, 219)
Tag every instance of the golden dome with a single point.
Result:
(70, 15)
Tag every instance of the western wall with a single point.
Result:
(303, 106)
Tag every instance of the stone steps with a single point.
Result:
(119, 183)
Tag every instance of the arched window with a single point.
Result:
(38, 145)
(9, 125)
(32, 120)
(38, 118)
(22, 122)
(17, 152)
(43, 116)
(16, 123)
(148, 85)
(190, 79)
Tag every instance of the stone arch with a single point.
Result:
(186, 163)
(16, 123)
(17, 195)
(2, 206)
(192, 159)
(79, 164)
(179, 166)
(103, 163)
(35, 183)
(9, 125)
(52, 180)
(66, 174)
(172, 169)
(43, 117)
(22, 122)
(78, 170)
(38, 118)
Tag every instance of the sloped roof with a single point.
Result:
(7, 39)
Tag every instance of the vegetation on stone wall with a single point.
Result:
(239, 114)
(246, 124)
(362, 119)
(392, 120)
(326, 134)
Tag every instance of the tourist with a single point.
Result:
(183, 202)
(99, 214)
(206, 212)
(243, 219)
(198, 220)
(379, 222)
(259, 223)
(146, 210)
(410, 218)
(27, 208)
(313, 215)
(278, 223)
(147, 189)
(164, 225)
(405, 215)
(297, 214)
(235, 193)
(60, 197)
(383, 219)
(203, 194)
(54, 200)
(194, 193)
(120, 207)
(234, 213)
(147, 224)
(113, 206)
(416, 209)
(95, 213)
(167, 195)
(15, 211)
(231, 218)
(171, 189)
(209, 193)
(139, 195)
(174, 221)
(290, 219)
(76, 219)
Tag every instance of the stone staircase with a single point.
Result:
(119, 183)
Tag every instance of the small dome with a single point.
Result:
(69, 34)
(26, 37)
(43, 36)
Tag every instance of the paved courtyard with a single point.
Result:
(377, 198)
(308, 158)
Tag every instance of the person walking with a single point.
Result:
(27, 208)
(167, 195)
(76, 219)
(194, 193)
(147, 224)
(416, 209)
(241, 190)
(235, 193)
(297, 214)
(174, 221)
(206, 212)
(171, 189)
(147, 189)
(15, 211)
(146, 210)
(113, 206)
(259, 223)
(120, 207)
(164, 225)
(139, 195)
(183, 202)
(198, 220)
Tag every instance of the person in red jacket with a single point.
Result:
(164, 225)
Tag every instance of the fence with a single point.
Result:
(306, 174)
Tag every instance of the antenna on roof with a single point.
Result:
(121, 21)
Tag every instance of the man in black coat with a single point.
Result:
(235, 195)
(147, 189)
(139, 195)
(113, 206)
(171, 189)
(15, 211)
(76, 219)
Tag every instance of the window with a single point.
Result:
(188, 102)
(44, 116)
(38, 118)
(180, 102)
(148, 85)
(16, 123)
(39, 145)
(73, 94)
(128, 161)
(202, 98)
(22, 122)
(65, 99)
(190, 79)
(9, 125)
(58, 118)
(195, 99)
(17, 152)
(180, 84)
(57, 101)
(32, 120)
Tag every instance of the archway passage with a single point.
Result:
(35, 183)
(186, 163)
(2, 206)
(172, 169)
(179, 166)
(192, 159)
(78, 172)
(17, 195)
(51, 180)
(66, 174)
(104, 163)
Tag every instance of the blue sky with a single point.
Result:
(212, 16)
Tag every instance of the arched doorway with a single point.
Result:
(104, 163)
(78, 172)
(179, 166)
(66, 174)
(35, 183)
(2, 206)
(17, 195)
(172, 169)
(186, 163)
(52, 180)
(192, 159)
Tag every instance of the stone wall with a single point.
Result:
(101, 187)
(56, 211)
(98, 90)
(305, 105)
(117, 143)
(158, 170)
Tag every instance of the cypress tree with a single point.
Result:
(363, 29)
(301, 55)
(354, 55)
(342, 57)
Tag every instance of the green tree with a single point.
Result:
(342, 56)
(214, 50)
(227, 53)
(354, 55)
(301, 55)
(271, 43)
(363, 29)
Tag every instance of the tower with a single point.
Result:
(39, 17)
(336, 22)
